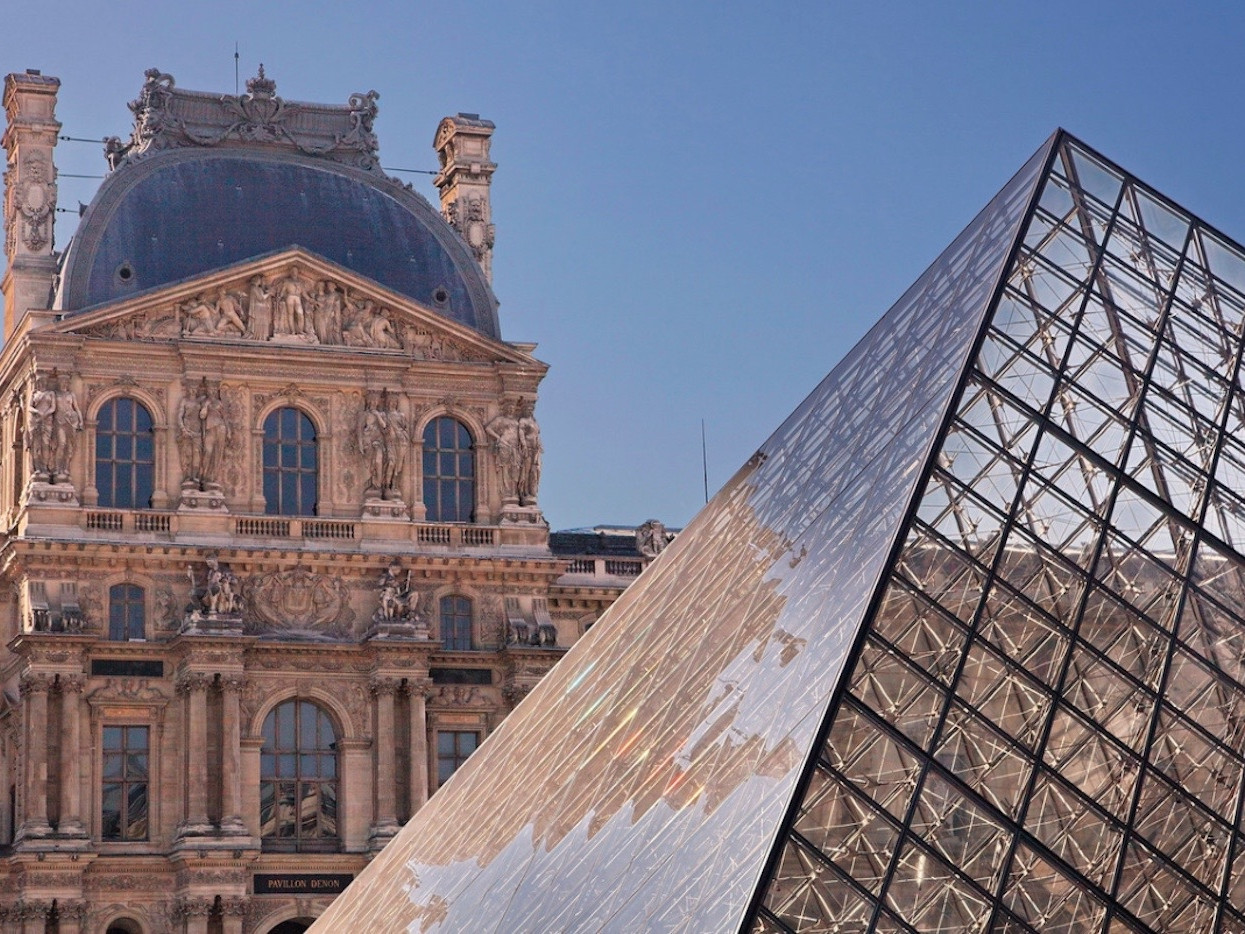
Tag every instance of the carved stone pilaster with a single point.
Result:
(29, 193)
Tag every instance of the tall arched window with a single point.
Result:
(449, 471)
(124, 455)
(456, 622)
(126, 612)
(298, 779)
(290, 464)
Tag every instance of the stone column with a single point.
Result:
(34, 915)
(71, 917)
(418, 691)
(231, 756)
(193, 686)
(385, 824)
(196, 911)
(34, 689)
(71, 823)
(233, 914)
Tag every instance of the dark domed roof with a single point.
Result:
(180, 213)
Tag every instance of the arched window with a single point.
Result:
(456, 622)
(127, 613)
(449, 471)
(124, 455)
(298, 779)
(290, 464)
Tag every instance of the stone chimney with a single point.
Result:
(462, 145)
(29, 193)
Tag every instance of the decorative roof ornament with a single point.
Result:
(167, 117)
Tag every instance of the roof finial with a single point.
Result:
(260, 85)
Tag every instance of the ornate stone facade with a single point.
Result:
(276, 562)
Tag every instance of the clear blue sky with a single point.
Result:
(700, 206)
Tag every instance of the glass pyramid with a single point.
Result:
(961, 648)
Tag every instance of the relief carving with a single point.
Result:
(298, 599)
(221, 315)
(218, 601)
(34, 202)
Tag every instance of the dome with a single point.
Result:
(180, 213)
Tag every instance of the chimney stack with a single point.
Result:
(29, 193)
(462, 145)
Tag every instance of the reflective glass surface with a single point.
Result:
(642, 783)
(1040, 728)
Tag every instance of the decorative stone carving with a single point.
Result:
(127, 689)
(531, 451)
(507, 451)
(298, 599)
(52, 426)
(203, 436)
(384, 440)
(651, 538)
(458, 695)
(219, 315)
(218, 603)
(34, 202)
(401, 610)
(166, 117)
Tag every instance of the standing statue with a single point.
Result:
(190, 438)
(328, 313)
(259, 309)
(202, 437)
(651, 538)
(291, 316)
(41, 430)
(530, 450)
(372, 442)
(384, 439)
(68, 422)
(397, 445)
(507, 451)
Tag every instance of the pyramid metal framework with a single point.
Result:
(961, 648)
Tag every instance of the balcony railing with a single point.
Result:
(606, 567)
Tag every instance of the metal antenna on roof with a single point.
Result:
(704, 458)
(235, 68)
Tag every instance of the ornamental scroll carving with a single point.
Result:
(298, 599)
(167, 117)
(32, 202)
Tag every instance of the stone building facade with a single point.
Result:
(274, 562)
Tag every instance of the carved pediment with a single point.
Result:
(293, 299)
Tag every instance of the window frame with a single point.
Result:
(302, 481)
(275, 758)
(108, 432)
(436, 484)
(456, 613)
(455, 755)
(133, 601)
(123, 755)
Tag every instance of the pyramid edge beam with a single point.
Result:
(1052, 147)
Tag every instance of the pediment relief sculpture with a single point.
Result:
(293, 305)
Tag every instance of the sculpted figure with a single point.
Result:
(328, 313)
(259, 309)
(41, 432)
(507, 451)
(221, 593)
(291, 316)
(380, 330)
(530, 458)
(200, 317)
(190, 438)
(651, 538)
(395, 595)
(356, 332)
(372, 442)
(68, 422)
(229, 314)
(397, 444)
(202, 437)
